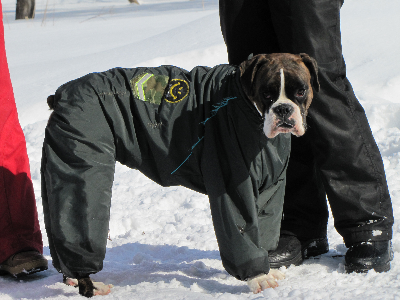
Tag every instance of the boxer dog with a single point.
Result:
(280, 88)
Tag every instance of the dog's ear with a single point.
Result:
(248, 71)
(312, 66)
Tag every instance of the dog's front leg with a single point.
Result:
(265, 281)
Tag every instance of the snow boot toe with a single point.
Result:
(24, 263)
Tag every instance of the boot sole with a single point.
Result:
(26, 268)
(363, 269)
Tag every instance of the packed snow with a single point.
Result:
(162, 243)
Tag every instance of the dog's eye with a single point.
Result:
(267, 96)
(301, 92)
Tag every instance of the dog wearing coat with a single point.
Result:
(222, 131)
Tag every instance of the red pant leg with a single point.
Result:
(19, 225)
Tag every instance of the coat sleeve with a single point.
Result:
(246, 204)
(247, 226)
(244, 177)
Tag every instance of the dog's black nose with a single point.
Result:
(283, 110)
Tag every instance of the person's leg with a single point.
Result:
(246, 29)
(356, 183)
(346, 154)
(305, 208)
(21, 244)
(19, 224)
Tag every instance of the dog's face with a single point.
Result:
(280, 87)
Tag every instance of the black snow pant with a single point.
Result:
(338, 156)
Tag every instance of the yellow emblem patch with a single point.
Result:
(178, 89)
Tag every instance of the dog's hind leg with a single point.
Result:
(78, 165)
(87, 287)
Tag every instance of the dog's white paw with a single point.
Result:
(265, 281)
(102, 288)
(71, 281)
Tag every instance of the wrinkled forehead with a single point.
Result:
(295, 74)
(292, 70)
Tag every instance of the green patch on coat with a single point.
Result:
(149, 87)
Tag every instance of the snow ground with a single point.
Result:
(162, 240)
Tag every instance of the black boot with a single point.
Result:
(364, 256)
(292, 251)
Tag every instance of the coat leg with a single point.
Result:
(77, 172)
